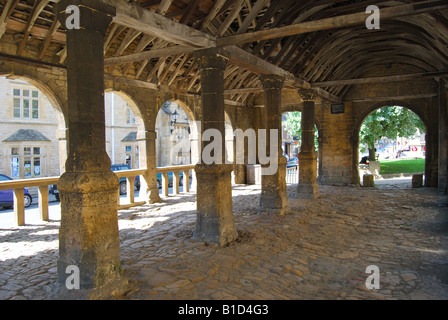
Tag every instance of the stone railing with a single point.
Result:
(130, 188)
(292, 175)
(18, 187)
(177, 179)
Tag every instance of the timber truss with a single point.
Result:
(323, 45)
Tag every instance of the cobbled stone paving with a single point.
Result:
(319, 250)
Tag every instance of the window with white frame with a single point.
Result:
(25, 104)
(130, 117)
(15, 162)
(29, 160)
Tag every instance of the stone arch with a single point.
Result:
(418, 108)
(55, 96)
(54, 89)
(130, 156)
(318, 124)
(193, 129)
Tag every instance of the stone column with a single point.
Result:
(443, 139)
(308, 187)
(88, 235)
(195, 143)
(147, 158)
(274, 198)
(214, 222)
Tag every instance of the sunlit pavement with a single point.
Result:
(54, 210)
(320, 249)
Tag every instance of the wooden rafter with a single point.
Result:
(37, 9)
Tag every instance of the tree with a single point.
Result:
(389, 122)
(293, 124)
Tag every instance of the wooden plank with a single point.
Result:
(7, 11)
(36, 31)
(29, 62)
(394, 78)
(37, 9)
(257, 65)
(164, 6)
(148, 22)
(154, 53)
(251, 16)
(54, 28)
(394, 98)
(332, 23)
(212, 14)
(186, 17)
(230, 18)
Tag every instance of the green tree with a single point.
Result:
(293, 124)
(389, 122)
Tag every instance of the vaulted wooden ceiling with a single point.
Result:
(313, 43)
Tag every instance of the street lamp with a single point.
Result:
(175, 115)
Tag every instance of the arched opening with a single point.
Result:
(123, 124)
(392, 144)
(174, 125)
(292, 139)
(33, 136)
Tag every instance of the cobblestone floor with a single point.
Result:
(320, 250)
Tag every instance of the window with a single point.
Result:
(25, 104)
(31, 162)
(15, 163)
(130, 117)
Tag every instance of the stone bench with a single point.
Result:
(368, 180)
(417, 180)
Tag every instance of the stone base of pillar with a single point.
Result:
(240, 173)
(308, 187)
(214, 222)
(88, 235)
(274, 197)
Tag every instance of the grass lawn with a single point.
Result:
(402, 166)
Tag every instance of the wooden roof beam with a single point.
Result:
(333, 22)
(394, 78)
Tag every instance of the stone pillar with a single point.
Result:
(147, 158)
(308, 187)
(274, 198)
(195, 142)
(443, 139)
(214, 222)
(88, 235)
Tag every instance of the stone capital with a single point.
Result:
(212, 58)
(307, 95)
(94, 15)
(272, 81)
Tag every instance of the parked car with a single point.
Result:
(7, 196)
(293, 162)
(122, 182)
(123, 187)
(170, 179)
